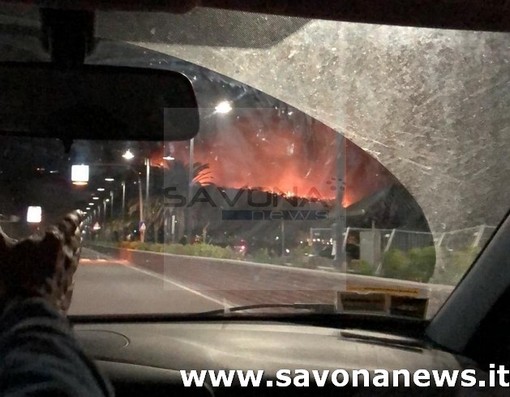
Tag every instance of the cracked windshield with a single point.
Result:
(339, 167)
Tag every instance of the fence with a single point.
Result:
(405, 240)
(475, 237)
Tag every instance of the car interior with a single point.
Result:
(79, 71)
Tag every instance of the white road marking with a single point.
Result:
(223, 303)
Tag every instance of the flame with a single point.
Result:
(283, 160)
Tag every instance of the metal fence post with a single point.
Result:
(390, 240)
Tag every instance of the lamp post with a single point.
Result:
(80, 175)
(339, 260)
(128, 155)
(104, 211)
(111, 203)
(190, 187)
(147, 183)
(140, 198)
(123, 199)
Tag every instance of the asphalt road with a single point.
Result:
(106, 286)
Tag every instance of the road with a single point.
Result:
(181, 284)
(109, 286)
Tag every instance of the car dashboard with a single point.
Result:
(143, 358)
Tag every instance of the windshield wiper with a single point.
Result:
(320, 308)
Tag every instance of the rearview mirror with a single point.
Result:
(96, 102)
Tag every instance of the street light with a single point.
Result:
(80, 174)
(34, 214)
(223, 107)
(128, 155)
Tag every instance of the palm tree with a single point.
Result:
(177, 177)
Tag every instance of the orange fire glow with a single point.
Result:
(282, 159)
